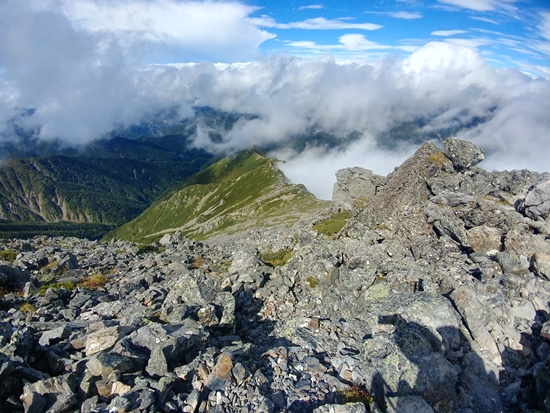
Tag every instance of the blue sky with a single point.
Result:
(507, 33)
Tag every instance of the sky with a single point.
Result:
(481, 67)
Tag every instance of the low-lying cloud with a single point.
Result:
(84, 80)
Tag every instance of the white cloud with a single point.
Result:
(472, 43)
(484, 19)
(504, 6)
(544, 26)
(198, 29)
(479, 5)
(317, 167)
(313, 7)
(318, 23)
(448, 32)
(406, 15)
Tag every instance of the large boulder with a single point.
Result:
(536, 204)
(355, 185)
(462, 154)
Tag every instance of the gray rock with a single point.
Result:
(105, 364)
(220, 376)
(157, 365)
(355, 185)
(408, 404)
(104, 339)
(462, 154)
(341, 408)
(53, 336)
(540, 265)
(53, 395)
(536, 204)
(13, 278)
(513, 263)
(243, 261)
(453, 199)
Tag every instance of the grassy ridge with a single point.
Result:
(233, 194)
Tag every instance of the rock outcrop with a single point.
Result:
(433, 297)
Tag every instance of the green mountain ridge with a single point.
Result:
(234, 194)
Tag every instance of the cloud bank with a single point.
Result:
(86, 77)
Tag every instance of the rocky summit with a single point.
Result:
(423, 291)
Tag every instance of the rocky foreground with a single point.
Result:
(434, 297)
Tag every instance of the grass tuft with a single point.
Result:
(355, 394)
(332, 225)
(197, 263)
(95, 281)
(437, 158)
(27, 308)
(69, 286)
(8, 255)
(276, 258)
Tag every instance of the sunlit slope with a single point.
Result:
(245, 191)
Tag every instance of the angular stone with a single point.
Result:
(453, 199)
(29, 289)
(239, 372)
(341, 408)
(104, 339)
(104, 387)
(243, 261)
(53, 336)
(408, 404)
(120, 389)
(157, 365)
(220, 377)
(524, 310)
(55, 392)
(105, 364)
(484, 238)
(536, 204)
(355, 185)
(513, 263)
(462, 154)
(540, 265)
